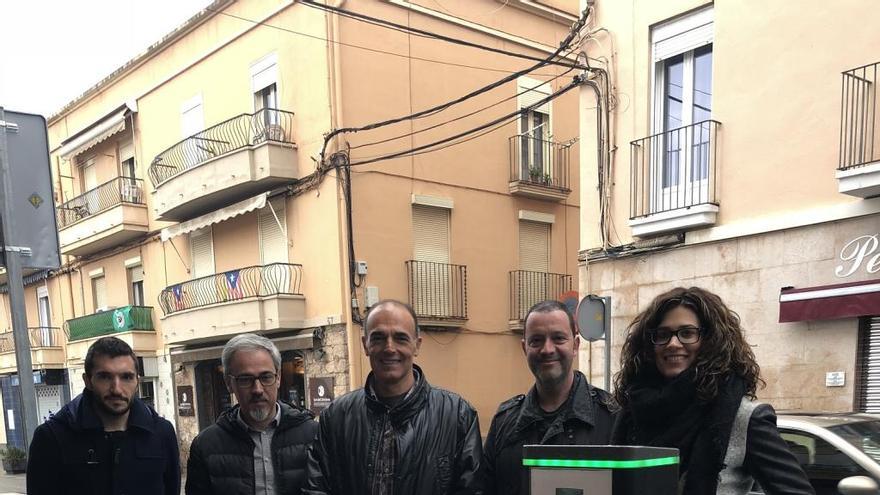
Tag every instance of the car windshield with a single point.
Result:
(865, 435)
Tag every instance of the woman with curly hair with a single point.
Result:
(688, 380)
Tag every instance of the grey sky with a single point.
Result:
(55, 50)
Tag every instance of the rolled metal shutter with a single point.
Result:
(868, 366)
(430, 234)
(273, 244)
(534, 246)
(202, 245)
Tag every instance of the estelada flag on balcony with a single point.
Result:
(235, 291)
(177, 290)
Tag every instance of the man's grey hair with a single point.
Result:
(249, 342)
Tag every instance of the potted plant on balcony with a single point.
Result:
(536, 174)
(14, 460)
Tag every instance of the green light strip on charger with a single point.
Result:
(599, 464)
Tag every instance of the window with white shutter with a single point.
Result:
(534, 246)
(273, 243)
(202, 250)
(868, 366)
(431, 277)
(89, 174)
(99, 292)
(430, 234)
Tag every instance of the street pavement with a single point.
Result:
(11, 484)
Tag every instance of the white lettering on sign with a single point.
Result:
(861, 250)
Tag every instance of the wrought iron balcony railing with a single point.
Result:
(673, 169)
(437, 291)
(234, 285)
(539, 161)
(529, 288)
(859, 141)
(107, 195)
(39, 337)
(122, 319)
(266, 125)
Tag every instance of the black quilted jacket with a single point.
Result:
(221, 459)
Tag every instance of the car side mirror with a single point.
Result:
(858, 485)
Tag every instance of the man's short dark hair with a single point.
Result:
(110, 347)
(392, 302)
(550, 306)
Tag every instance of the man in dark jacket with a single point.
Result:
(398, 435)
(259, 446)
(560, 409)
(105, 441)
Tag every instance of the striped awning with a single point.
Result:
(96, 132)
(830, 302)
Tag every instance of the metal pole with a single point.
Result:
(607, 307)
(16, 296)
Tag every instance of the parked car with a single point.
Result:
(840, 452)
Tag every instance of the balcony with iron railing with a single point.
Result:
(47, 349)
(858, 170)
(108, 215)
(539, 168)
(672, 180)
(528, 288)
(437, 293)
(132, 324)
(223, 164)
(263, 298)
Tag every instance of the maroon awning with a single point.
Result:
(829, 302)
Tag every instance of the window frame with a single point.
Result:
(683, 35)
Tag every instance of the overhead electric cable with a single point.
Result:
(359, 47)
(443, 106)
(577, 81)
(428, 34)
(456, 119)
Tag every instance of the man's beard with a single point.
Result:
(550, 378)
(260, 414)
(109, 410)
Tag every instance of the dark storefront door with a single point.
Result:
(293, 381)
(212, 396)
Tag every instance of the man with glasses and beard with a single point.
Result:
(259, 446)
(105, 441)
(562, 408)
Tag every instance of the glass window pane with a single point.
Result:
(702, 83)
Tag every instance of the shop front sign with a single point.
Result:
(863, 252)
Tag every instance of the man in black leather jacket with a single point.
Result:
(398, 435)
(562, 408)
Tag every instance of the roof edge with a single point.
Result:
(151, 51)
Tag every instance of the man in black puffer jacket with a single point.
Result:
(259, 446)
(398, 435)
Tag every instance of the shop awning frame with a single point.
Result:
(96, 132)
(830, 302)
(216, 216)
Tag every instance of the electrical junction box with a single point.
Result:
(601, 470)
(360, 267)
(371, 296)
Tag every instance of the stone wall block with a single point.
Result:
(808, 244)
(760, 251)
(716, 258)
(676, 265)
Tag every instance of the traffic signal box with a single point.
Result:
(601, 470)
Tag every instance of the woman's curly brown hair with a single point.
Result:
(723, 351)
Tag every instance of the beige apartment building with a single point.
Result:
(192, 202)
(743, 156)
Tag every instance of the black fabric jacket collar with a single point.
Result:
(409, 406)
(79, 414)
(579, 405)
